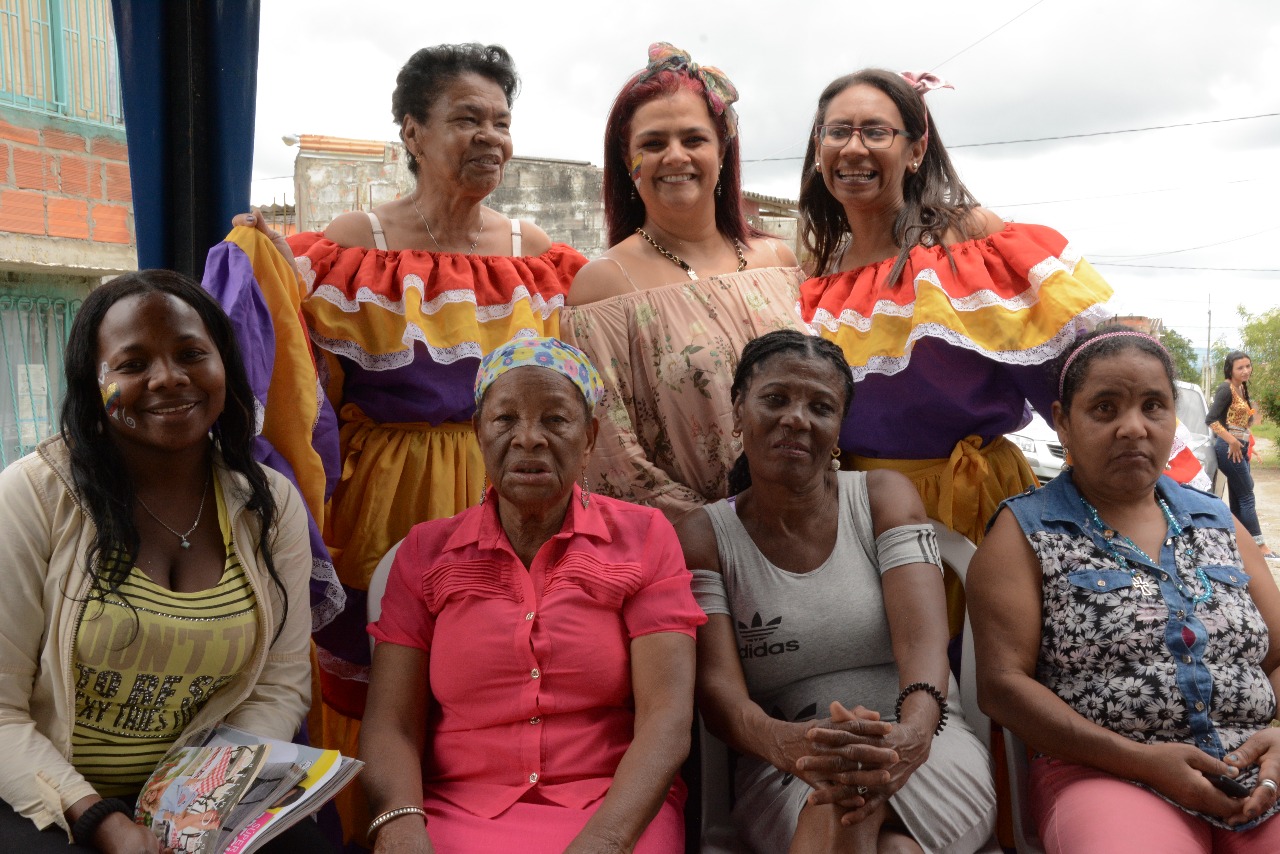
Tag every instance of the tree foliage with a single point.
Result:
(1261, 336)
(1185, 359)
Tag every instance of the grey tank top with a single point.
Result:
(806, 639)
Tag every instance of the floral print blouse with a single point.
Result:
(1128, 647)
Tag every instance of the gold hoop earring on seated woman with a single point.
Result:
(586, 491)
(835, 459)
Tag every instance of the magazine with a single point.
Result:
(238, 791)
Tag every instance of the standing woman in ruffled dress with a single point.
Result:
(946, 314)
(402, 303)
(685, 283)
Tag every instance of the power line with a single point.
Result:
(1002, 206)
(1172, 267)
(988, 35)
(1114, 132)
(1191, 248)
(1068, 135)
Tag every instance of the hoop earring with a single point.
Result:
(835, 459)
(586, 491)
(736, 433)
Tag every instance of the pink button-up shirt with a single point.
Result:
(530, 669)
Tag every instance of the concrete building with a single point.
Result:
(66, 210)
(334, 175)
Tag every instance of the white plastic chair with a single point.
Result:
(957, 550)
(1026, 839)
(378, 586)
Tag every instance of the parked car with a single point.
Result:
(1039, 444)
(1192, 410)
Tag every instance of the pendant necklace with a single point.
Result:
(474, 243)
(1141, 580)
(185, 543)
(680, 262)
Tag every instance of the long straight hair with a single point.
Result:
(101, 480)
(935, 200)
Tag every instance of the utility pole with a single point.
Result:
(1208, 349)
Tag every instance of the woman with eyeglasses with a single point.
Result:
(946, 314)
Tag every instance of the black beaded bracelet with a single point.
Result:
(91, 819)
(932, 692)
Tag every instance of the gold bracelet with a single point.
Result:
(384, 817)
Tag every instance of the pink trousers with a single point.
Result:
(1080, 810)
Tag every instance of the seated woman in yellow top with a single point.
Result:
(155, 576)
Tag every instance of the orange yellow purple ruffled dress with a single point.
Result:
(401, 334)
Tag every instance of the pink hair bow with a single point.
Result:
(925, 81)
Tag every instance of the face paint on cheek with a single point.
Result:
(102, 373)
(111, 398)
(635, 166)
(111, 402)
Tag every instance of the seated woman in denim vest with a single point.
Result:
(1123, 629)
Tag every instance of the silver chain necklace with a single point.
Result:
(186, 544)
(439, 248)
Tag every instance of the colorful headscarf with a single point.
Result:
(550, 353)
(721, 93)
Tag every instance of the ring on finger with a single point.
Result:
(1270, 784)
(861, 790)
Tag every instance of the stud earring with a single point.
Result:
(835, 459)
(586, 491)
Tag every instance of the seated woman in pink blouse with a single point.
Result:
(536, 652)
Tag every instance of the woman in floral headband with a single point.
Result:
(535, 653)
(685, 284)
(946, 314)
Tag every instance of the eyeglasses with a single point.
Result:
(838, 136)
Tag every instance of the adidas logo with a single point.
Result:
(757, 636)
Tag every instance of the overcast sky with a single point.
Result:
(1168, 216)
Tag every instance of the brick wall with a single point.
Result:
(64, 179)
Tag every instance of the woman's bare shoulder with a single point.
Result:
(698, 540)
(533, 240)
(351, 229)
(980, 222)
(770, 252)
(600, 279)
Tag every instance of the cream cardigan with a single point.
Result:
(43, 536)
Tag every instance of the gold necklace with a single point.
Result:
(437, 242)
(680, 262)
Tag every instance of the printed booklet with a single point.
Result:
(238, 791)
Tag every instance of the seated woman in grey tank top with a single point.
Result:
(823, 662)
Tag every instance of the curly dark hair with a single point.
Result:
(101, 480)
(936, 200)
(759, 351)
(623, 211)
(1100, 343)
(429, 70)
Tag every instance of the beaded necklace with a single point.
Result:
(1175, 531)
(684, 265)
